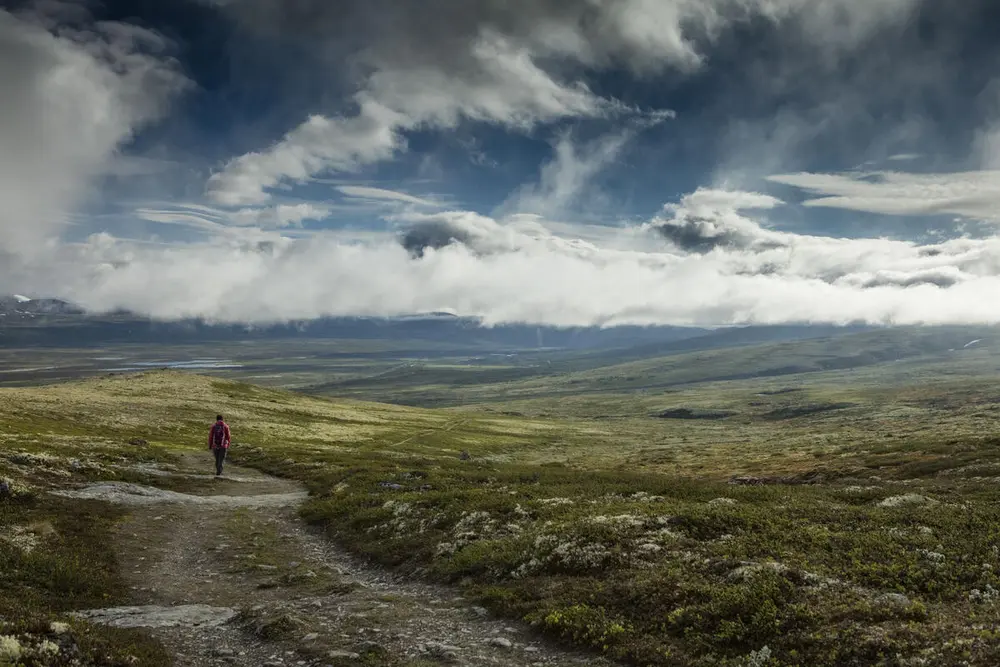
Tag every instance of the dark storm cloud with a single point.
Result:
(703, 235)
(435, 234)
(785, 105)
(514, 63)
(709, 219)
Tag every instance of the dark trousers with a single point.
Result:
(220, 456)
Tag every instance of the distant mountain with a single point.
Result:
(19, 308)
(50, 322)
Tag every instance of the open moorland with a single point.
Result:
(827, 501)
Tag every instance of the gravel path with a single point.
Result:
(229, 575)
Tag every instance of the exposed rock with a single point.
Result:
(439, 651)
(500, 642)
(391, 485)
(138, 442)
(343, 655)
(371, 647)
(276, 627)
(124, 493)
(152, 616)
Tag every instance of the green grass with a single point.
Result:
(53, 560)
(615, 530)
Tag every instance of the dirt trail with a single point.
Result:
(225, 573)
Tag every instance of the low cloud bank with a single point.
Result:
(522, 271)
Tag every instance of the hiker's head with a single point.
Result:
(218, 418)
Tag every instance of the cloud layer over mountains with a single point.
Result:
(80, 90)
(724, 267)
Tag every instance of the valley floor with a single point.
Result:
(750, 524)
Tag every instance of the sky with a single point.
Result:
(559, 162)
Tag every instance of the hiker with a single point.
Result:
(218, 442)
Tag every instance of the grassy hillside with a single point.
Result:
(868, 535)
(432, 384)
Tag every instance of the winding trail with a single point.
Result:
(224, 572)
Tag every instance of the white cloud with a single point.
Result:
(319, 144)
(195, 219)
(524, 271)
(282, 215)
(565, 182)
(708, 219)
(71, 97)
(221, 221)
(708, 259)
(504, 63)
(367, 193)
(972, 194)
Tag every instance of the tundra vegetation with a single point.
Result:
(826, 517)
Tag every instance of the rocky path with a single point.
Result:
(225, 573)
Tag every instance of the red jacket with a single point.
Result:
(225, 435)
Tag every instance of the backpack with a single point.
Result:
(218, 434)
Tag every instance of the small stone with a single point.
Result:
(266, 568)
(312, 636)
(343, 655)
(500, 642)
(481, 612)
(440, 651)
(294, 564)
(223, 652)
(370, 647)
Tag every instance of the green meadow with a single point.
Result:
(806, 503)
